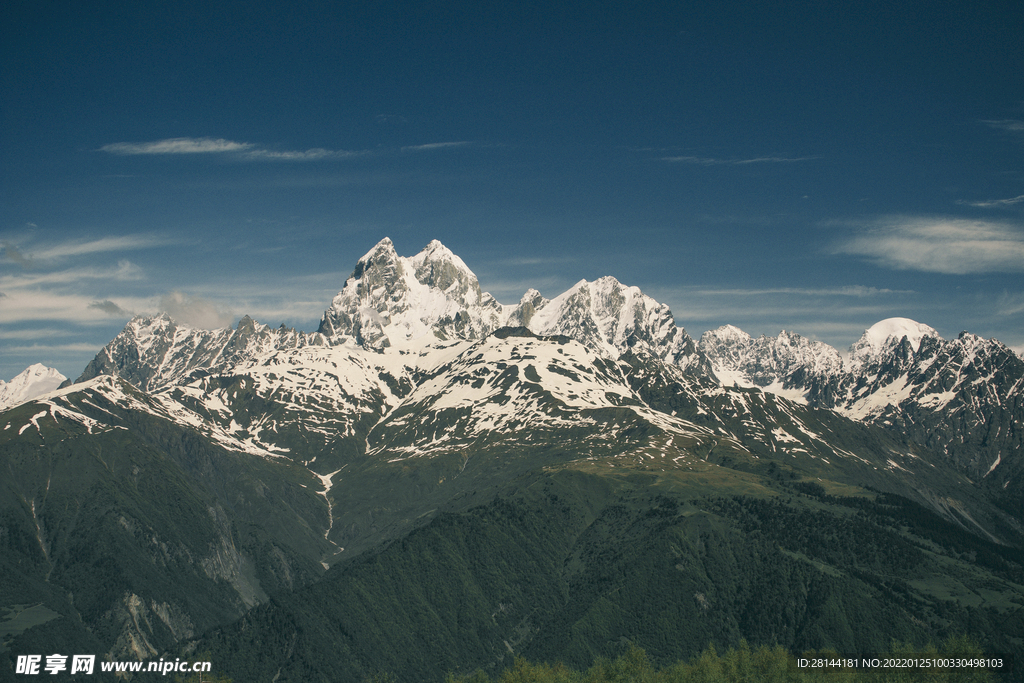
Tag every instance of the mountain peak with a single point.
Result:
(436, 266)
(883, 334)
(611, 318)
(384, 246)
(35, 380)
(726, 333)
(531, 296)
(435, 249)
(390, 298)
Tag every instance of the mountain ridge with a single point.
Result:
(421, 400)
(410, 303)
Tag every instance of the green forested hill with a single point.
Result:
(569, 566)
(130, 539)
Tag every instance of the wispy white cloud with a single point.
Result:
(854, 290)
(125, 271)
(177, 146)
(73, 282)
(72, 248)
(13, 254)
(34, 305)
(1010, 303)
(1008, 125)
(195, 311)
(434, 145)
(39, 349)
(238, 150)
(940, 245)
(314, 154)
(33, 333)
(254, 152)
(994, 203)
(710, 161)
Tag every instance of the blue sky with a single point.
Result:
(785, 165)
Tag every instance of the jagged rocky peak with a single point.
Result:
(153, 352)
(33, 381)
(391, 298)
(522, 315)
(609, 318)
(787, 363)
(436, 266)
(886, 338)
(727, 333)
(726, 345)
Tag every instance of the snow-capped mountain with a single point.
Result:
(286, 452)
(408, 312)
(881, 338)
(155, 352)
(34, 381)
(792, 366)
(963, 397)
(610, 319)
(390, 298)
(787, 365)
(515, 387)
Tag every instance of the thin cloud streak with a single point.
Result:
(1010, 304)
(55, 348)
(940, 245)
(1009, 125)
(991, 203)
(250, 151)
(177, 146)
(855, 290)
(105, 244)
(125, 271)
(434, 145)
(314, 154)
(33, 333)
(709, 161)
(39, 305)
